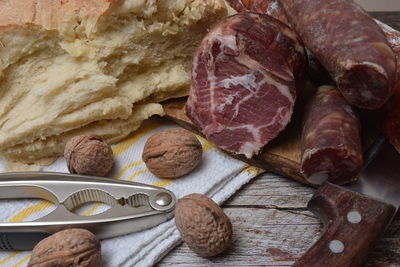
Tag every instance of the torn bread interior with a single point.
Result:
(72, 67)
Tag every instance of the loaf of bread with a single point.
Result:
(71, 67)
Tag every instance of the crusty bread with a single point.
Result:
(76, 66)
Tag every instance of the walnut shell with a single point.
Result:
(88, 155)
(203, 225)
(71, 247)
(172, 153)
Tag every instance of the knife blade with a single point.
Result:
(355, 216)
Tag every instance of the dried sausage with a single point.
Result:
(392, 121)
(350, 45)
(331, 142)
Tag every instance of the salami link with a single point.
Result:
(392, 122)
(350, 45)
(245, 78)
(331, 142)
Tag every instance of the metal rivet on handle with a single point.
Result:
(336, 246)
(163, 199)
(354, 217)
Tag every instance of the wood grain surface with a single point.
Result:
(272, 226)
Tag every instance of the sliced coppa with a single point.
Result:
(245, 77)
(331, 141)
(350, 45)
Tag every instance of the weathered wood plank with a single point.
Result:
(261, 237)
(272, 227)
(272, 192)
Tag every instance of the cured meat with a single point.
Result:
(267, 7)
(331, 142)
(316, 72)
(245, 77)
(240, 5)
(350, 45)
(392, 122)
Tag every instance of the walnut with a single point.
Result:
(71, 247)
(89, 155)
(172, 153)
(203, 225)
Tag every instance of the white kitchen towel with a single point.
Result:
(218, 176)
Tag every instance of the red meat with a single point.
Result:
(245, 78)
(331, 139)
(350, 45)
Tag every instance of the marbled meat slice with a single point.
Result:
(331, 139)
(245, 77)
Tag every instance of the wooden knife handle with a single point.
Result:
(353, 223)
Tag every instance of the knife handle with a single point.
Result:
(353, 223)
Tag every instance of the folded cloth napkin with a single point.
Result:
(217, 176)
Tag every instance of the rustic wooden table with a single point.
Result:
(271, 223)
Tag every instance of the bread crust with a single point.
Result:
(51, 14)
(57, 14)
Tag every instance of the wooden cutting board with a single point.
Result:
(282, 155)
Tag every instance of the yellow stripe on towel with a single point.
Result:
(133, 176)
(24, 259)
(25, 213)
(142, 131)
(124, 169)
(164, 182)
(92, 209)
(9, 257)
(207, 145)
(253, 170)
